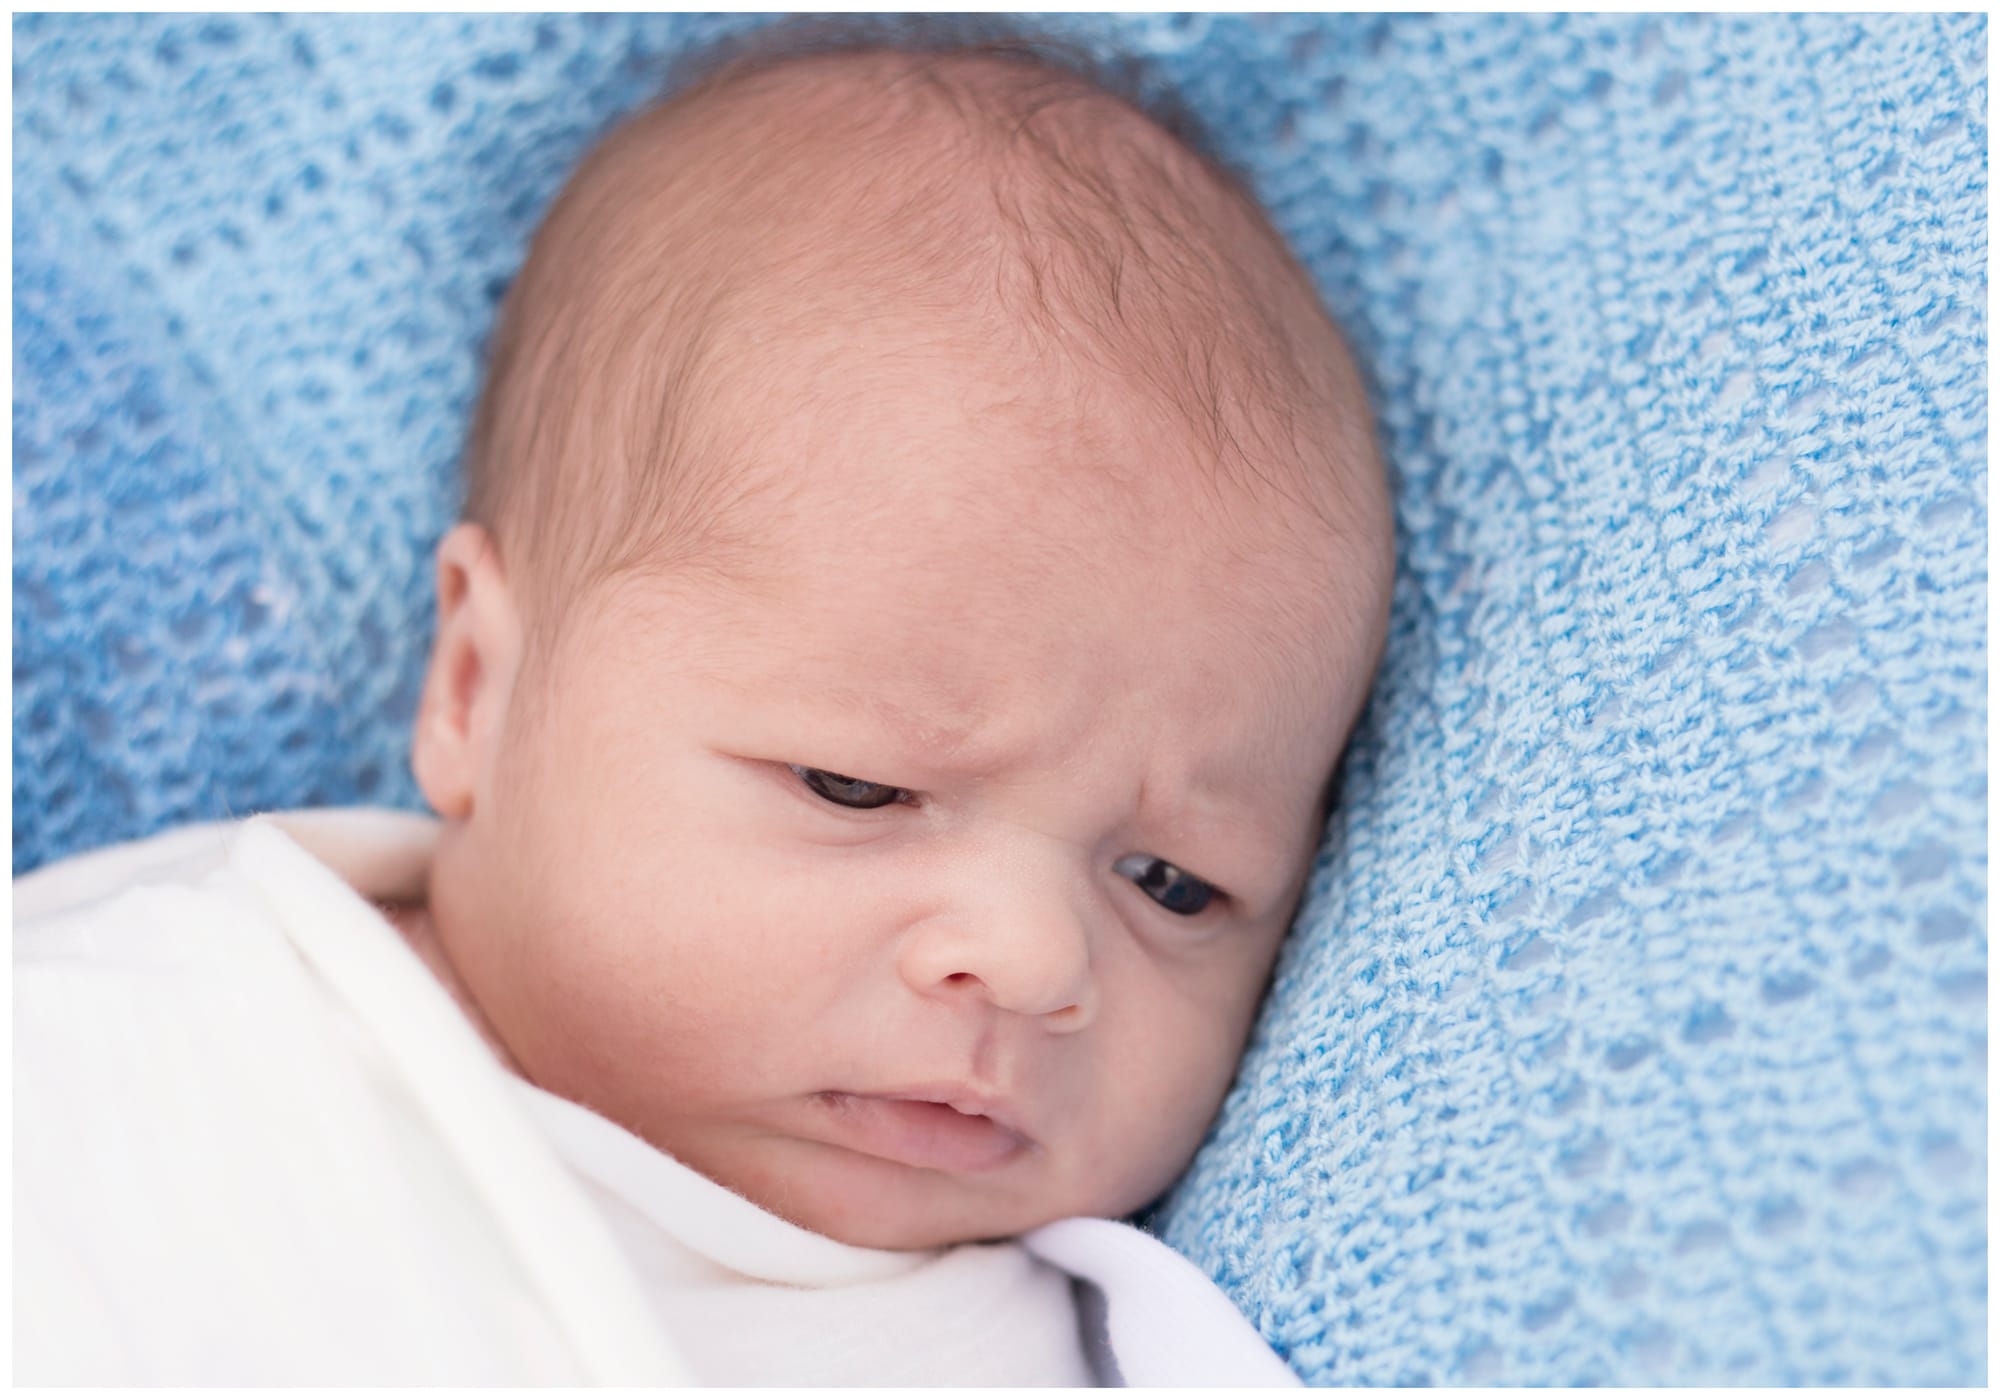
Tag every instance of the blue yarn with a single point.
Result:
(1634, 1027)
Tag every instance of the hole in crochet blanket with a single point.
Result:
(1878, 743)
(1877, 553)
(1626, 1280)
(1538, 1315)
(1700, 1237)
(1606, 1218)
(1595, 907)
(498, 67)
(1922, 863)
(1585, 1158)
(1803, 793)
(1945, 511)
(1883, 169)
(1942, 127)
(1651, 1346)
(1736, 389)
(1628, 1052)
(1857, 693)
(1967, 986)
(1808, 578)
(1705, 1023)
(1836, 634)
(1779, 1216)
(1478, 1362)
(1804, 405)
(1867, 961)
(1861, 1176)
(1939, 924)
(1945, 1158)
(1895, 800)
(1793, 524)
(1786, 986)
(1768, 475)
(1529, 955)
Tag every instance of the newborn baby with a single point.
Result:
(924, 556)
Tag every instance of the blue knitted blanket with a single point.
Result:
(1634, 1029)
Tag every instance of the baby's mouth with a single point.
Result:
(919, 1132)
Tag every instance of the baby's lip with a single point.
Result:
(966, 1099)
(936, 1126)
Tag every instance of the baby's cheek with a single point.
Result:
(683, 961)
(1166, 1074)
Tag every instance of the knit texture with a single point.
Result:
(1634, 1027)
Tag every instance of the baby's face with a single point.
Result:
(924, 892)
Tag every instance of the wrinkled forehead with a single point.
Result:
(891, 446)
(994, 554)
(962, 424)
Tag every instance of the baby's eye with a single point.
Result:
(1167, 885)
(847, 792)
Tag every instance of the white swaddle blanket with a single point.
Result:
(256, 1142)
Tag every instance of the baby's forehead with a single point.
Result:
(974, 446)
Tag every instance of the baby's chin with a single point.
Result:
(866, 1201)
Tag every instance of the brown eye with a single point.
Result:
(843, 791)
(1167, 885)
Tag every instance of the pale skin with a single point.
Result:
(649, 911)
(1001, 595)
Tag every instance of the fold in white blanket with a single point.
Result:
(256, 1142)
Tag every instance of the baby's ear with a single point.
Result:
(471, 674)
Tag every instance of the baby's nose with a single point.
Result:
(1024, 949)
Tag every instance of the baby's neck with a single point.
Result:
(413, 922)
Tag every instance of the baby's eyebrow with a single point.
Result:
(942, 730)
(1248, 830)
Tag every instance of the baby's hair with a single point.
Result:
(1112, 246)
(1124, 76)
